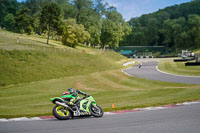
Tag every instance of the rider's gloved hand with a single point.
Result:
(71, 102)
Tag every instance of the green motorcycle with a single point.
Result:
(85, 106)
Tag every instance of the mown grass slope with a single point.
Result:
(27, 66)
(41, 62)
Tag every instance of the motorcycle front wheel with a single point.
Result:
(96, 111)
(61, 112)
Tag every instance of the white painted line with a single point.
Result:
(186, 103)
(108, 113)
(3, 120)
(148, 108)
(126, 73)
(19, 119)
(189, 103)
(138, 109)
(179, 104)
(35, 118)
(151, 108)
(158, 108)
(175, 74)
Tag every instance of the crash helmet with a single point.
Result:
(71, 90)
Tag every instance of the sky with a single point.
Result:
(135, 8)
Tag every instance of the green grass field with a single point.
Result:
(179, 68)
(17, 67)
(31, 74)
(197, 51)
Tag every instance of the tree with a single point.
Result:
(50, 18)
(24, 22)
(194, 30)
(89, 13)
(68, 10)
(83, 8)
(74, 34)
(9, 22)
(137, 36)
(162, 16)
(95, 33)
(34, 6)
(99, 7)
(152, 31)
(174, 33)
(6, 7)
(114, 28)
(93, 25)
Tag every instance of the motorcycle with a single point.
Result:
(64, 110)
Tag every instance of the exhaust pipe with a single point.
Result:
(64, 105)
(61, 104)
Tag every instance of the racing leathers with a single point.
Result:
(72, 101)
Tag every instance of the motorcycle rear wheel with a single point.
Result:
(61, 112)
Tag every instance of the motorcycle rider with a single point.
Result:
(75, 94)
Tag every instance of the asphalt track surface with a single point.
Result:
(182, 119)
(148, 71)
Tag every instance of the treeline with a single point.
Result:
(94, 23)
(176, 27)
(74, 22)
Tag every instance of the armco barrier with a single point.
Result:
(183, 60)
(192, 64)
(128, 63)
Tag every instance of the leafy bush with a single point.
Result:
(74, 34)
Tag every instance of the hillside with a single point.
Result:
(176, 27)
(32, 60)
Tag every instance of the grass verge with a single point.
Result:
(179, 68)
